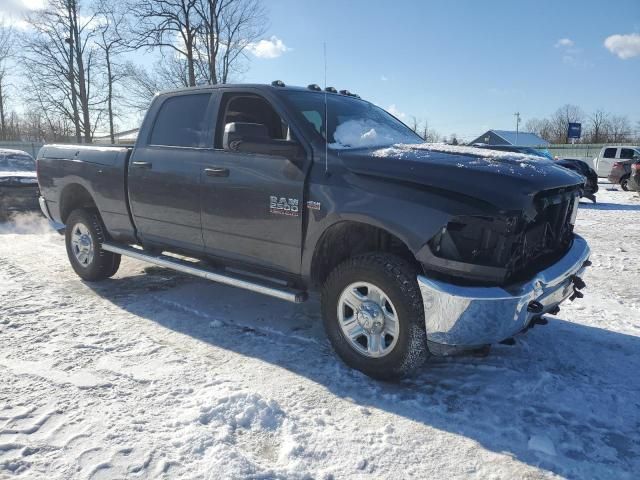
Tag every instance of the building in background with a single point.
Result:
(508, 137)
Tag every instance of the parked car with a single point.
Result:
(603, 163)
(620, 174)
(18, 183)
(411, 259)
(590, 187)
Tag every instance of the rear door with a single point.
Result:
(252, 203)
(606, 161)
(165, 168)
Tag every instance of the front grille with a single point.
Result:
(544, 236)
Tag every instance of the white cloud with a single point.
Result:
(565, 43)
(272, 48)
(393, 110)
(12, 11)
(624, 46)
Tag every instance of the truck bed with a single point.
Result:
(100, 170)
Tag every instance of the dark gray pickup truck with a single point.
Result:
(283, 190)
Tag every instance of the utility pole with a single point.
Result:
(517, 115)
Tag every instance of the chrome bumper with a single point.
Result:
(459, 316)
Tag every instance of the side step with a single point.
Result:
(289, 295)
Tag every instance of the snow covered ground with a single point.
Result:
(157, 375)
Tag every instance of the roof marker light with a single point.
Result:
(314, 87)
(278, 83)
(331, 90)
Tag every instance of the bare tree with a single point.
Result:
(171, 24)
(541, 127)
(620, 129)
(599, 125)
(59, 47)
(228, 27)
(142, 84)
(6, 42)
(560, 122)
(112, 40)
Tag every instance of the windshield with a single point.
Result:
(353, 123)
(16, 162)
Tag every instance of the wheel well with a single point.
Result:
(73, 197)
(347, 239)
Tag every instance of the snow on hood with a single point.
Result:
(485, 157)
(365, 133)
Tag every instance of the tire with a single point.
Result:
(624, 183)
(84, 235)
(400, 352)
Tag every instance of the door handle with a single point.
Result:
(142, 164)
(217, 172)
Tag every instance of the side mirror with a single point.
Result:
(243, 137)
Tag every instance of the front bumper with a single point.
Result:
(457, 316)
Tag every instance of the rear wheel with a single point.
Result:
(373, 315)
(84, 235)
(624, 183)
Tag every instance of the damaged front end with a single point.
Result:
(490, 277)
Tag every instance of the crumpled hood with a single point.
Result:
(507, 180)
(23, 178)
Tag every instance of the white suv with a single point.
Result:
(603, 163)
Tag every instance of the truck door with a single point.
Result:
(605, 162)
(252, 202)
(164, 171)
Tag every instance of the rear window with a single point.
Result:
(627, 153)
(16, 162)
(610, 153)
(182, 122)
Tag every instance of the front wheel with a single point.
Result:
(373, 315)
(84, 235)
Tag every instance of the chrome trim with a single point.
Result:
(44, 208)
(59, 227)
(474, 316)
(181, 266)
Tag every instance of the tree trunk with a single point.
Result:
(3, 125)
(110, 96)
(82, 84)
(72, 80)
(190, 63)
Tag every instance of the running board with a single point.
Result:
(289, 295)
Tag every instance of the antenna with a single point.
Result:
(326, 116)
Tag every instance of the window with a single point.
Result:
(181, 121)
(627, 153)
(610, 153)
(352, 123)
(250, 109)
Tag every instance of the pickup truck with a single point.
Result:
(603, 163)
(289, 190)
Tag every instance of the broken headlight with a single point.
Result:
(476, 240)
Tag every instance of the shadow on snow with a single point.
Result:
(573, 385)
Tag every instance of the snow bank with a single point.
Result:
(365, 133)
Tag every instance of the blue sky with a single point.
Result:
(465, 66)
